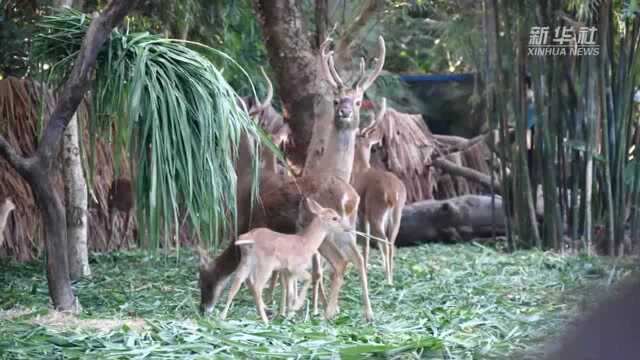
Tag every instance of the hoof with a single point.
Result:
(330, 314)
(368, 317)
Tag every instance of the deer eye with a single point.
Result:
(335, 218)
(358, 103)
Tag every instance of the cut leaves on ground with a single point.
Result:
(451, 302)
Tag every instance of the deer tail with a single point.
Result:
(245, 242)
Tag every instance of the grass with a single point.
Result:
(452, 302)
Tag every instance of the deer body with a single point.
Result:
(383, 196)
(264, 251)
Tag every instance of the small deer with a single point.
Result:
(265, 251)
(7, 207)
(383, 195)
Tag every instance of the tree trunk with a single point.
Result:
(75, 190)
(305, 99)
(37, 170)
(457, 219)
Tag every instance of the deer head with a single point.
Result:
(370, 136)
(330, 218)
(256, 108)
(347, 100)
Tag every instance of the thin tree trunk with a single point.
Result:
(521, 129)
(75, 189)
(494, 71)
(591, 114)
(37, 170)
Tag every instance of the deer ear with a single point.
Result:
(314, 206)
(346, 205)
(376, 135)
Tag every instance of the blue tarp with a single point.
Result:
(436, 78)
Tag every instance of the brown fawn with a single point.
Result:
(382, 195)
(265, 251)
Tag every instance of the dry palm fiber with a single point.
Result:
(407, 149)
(475, 157)
(21, 102)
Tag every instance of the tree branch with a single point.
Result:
(345, 43)
(459, 146)
(471, 174)
(13, 158)
(79, 80)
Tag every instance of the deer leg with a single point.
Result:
(284, 284)
(377, 230)
(272, 286)
(306, 277)
(356, 258)
(318, 283)
(367, 242)
(395, 228)
(260, 280)
(241, 275)
(338, 262)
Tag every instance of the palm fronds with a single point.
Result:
(173, 110)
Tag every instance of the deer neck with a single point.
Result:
(339, 153)
(360, 164)
(314, 234)
(270, 160)
(246, 150)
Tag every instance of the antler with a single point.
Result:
(267, 100)
(260, 106)
(362, 69)
(365, 82)
(327, 66)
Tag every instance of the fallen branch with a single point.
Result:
(458, 144)
(468, 173)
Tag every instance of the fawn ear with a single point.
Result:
(314, 206)
(376, 135)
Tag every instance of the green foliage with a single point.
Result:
(174, 111)
(454, 302)
(17, 22)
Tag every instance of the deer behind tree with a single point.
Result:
(281, 198)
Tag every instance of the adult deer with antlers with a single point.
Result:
(281, 198)
(383, 195)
